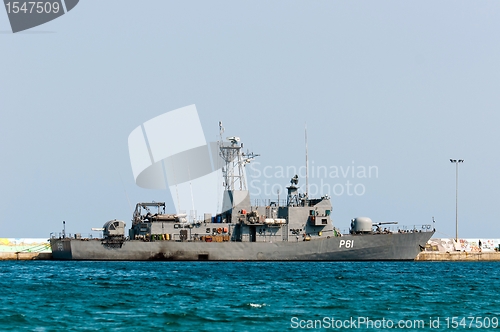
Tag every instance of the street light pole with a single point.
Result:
(456, 161)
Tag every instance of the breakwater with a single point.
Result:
(458, 256)
(25, 256)
(24, 249)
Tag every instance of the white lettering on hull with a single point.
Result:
(348, 244)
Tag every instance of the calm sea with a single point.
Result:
(153, 296)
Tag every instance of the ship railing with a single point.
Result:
(344, 231)
(269, 202)
(384, 229)
(283, 202)
(413, 228)
(77, 236)
(37, 248)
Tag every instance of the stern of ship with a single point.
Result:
(61, 248)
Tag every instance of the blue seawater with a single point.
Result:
(242, 296)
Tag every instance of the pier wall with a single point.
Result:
(463, 250)
(463, 244)
(458, 256)
(24, 249)
(25, 256)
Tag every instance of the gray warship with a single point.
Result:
(299, 229)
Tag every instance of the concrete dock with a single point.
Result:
(24, 249)
(458, 256)
(25, 256)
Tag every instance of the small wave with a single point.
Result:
(257, 305)
(14, 318)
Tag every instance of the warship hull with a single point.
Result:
(374, 247)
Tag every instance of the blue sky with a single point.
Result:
(402, 86)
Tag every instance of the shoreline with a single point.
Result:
(25, 256)
(458, 256)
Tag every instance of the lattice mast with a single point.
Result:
(235, 160)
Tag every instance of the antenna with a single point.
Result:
(126, 194)
(192, 198)
(221, 130)
(307, 166)
(176, 189)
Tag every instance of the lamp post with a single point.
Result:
(456, 161)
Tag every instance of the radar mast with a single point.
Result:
(235, 160)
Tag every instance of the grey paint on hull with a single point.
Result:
(376, 247)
